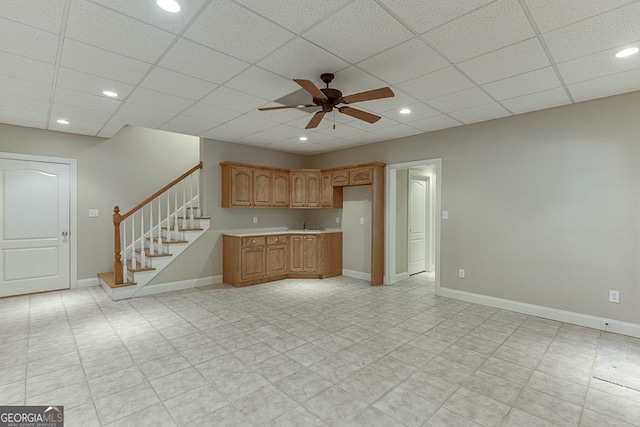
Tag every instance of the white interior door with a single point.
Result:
(34, 227)
(417, 259)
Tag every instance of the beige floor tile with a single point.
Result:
(486, 411)
(152, 416)
(265, 405)
(126, 402)
(406, 407)
(548, 408)
(335, 406)
(616, 407)
(494, 387)
(446, 418)
(178, 383)
(558, 387)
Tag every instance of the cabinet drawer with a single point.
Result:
(276, 240)
(361, 176)
(253, 241)
(340, 178)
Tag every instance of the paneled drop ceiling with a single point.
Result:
(206, 70)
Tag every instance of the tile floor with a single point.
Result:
(301, 353)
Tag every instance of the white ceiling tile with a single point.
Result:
(233, 99)
(300, 59)
(189, 125)
(26, 68)
(262, 83)
(404, 62)
(14, 116)
(159, 100)
(480, 113)
(399, 131)
(366, 138)
(341, 130)
(281, 132)
(109, 130)
(460, 100)
(252, 123)
(373, 127)
(296, 15)
(259, 139)
(149, 12)
(211, 112)
(177, 84)
(353, 80)
(492, 27)
(534, 81)
(100, 62)
(438, 83)
(28, 41)
(435, 123)
(400, 100)
(628, 81)
(230, 28)
(23, 103)
(607, 31)
(199, 61)
(85, 127)
(283, 116)
(83, 100)
(88, 83)
(106, 29)
(597, 65)
(132, 114)
(24, 88)
(226, 132)
(419, 111)
(359, 31)
(70, 129)
(45, 15)
(509, 61)
(70, 112)
(537, 101)
(552, 14)
(327, 121)
(425, 15)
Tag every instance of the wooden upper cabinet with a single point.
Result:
(326, 201)
(361, 176)
(305, 189)
(241, 189)
(340, 178)
(262, 188)
(281, 193)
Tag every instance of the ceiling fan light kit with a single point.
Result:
(329, 98)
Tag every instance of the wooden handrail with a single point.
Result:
(159, 192)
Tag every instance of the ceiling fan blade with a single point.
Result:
(315, 120)
(286, 106)
(311, 88)
(359, 114)
(370, 95)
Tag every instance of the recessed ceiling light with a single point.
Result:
(627, 52)
(303, 138)
(109, 93)
(63, 121)
(405, 111)
(169, 5)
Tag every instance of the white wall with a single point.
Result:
(356, 237)
(543, 207)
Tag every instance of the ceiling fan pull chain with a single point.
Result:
(334, 119)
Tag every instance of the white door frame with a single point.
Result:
(390, 217)
(73, 204)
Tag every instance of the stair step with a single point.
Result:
(195, 217)
(148, 253)
(184, 229)
(110, 279)
(139, 267)
(170, 242)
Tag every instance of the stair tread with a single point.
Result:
(154, 255)
(196, 217)
(110, 279)
(184, 229)
(139, 267)
(169, 242)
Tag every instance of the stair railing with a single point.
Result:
(125, 246)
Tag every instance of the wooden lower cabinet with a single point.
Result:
(257, 259)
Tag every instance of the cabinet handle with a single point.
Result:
(277, 240)
(253, 241)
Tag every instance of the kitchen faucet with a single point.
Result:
(304, 226)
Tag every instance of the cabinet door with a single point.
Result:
(310, 256)
(280, 185)
(298, 189)
(276, 260)
(296, 252)
(241, 183)
(340, 178)
(312, 189)
(261, 188)
(253, 263)
(361, 176)
(327, 191)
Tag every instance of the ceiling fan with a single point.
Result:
(329, 99)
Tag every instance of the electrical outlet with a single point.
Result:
(461, 273)
(445, 214)
(337, 220)
(93, 213)
(362, 220)
(255, 219)
(614, 296)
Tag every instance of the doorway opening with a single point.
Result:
(399, 177)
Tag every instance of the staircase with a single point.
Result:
(153, 234)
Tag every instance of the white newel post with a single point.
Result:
(143, 260)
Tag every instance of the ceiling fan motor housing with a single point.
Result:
(334, 97)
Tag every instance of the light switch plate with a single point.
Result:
(362, 220)
(445, 214)
(94, 213)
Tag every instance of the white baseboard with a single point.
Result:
(357, 275)
(580, 319)
(178, 286)
(402, 276)
(85, 283)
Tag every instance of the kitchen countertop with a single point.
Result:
(272, 231)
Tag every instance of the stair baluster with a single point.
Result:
(159, 228)
(134, 261)
(191, 223)
(143, 259)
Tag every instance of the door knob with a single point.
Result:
(65, 234)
